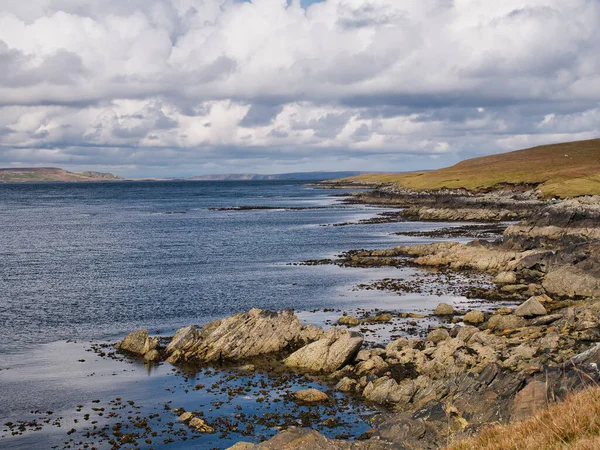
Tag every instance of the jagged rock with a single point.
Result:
(337, 347)
(444, 309)
(311, 396)
(531, 308)
(438, 335)
(183, 340)
(350, 321)
(346, 385)
(374, 364)
(545, 320)
(243, 336)
(200, 425)
(306, 439)
(530, 400)
(570, 281)
(140, 343)
(474, 318)
(508, 322)
(135, 342)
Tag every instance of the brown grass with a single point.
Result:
(561, 170)
(571, 424)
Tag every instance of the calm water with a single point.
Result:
(91, 262)
(96, 260)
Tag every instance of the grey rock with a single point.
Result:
(337, 347)
(444, 309)
(531, 308)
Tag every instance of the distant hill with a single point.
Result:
(52, 174)
(559, 170)
(312, 176)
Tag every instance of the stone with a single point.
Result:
(444, 309)
(531, 308)
(247, 335)
(438, 335)
(186, 416)
(337, 347)
(505, 278)
(504, 311)
(350, 321)
(183, 340)
(346, 385)
(135, 342)
(530, 400)
(512, 288)
(311, 396)
(200, 425)
(152, 356)
(509, 322)
(570, 281)
(474, 318)
(379, 318)
(376, 364)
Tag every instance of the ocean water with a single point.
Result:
(95, 260)
(89, 262)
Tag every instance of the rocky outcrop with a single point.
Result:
(242, 336)
(305, 439)
(139, 343)
(337, 347)
(460, 214)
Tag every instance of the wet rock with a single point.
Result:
(531, 308)
(248, 335)
(311, 396)
(135, 342)
(200, 425)
(508, 322)
(512, 288)
(333, 351)
(438, 335)
(474, 318)
(505, 278)
(183, 340)
(379, 318)
(350, 321)
(140, 343)
(346, 385)
(444, 309)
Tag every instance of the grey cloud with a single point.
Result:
(260, 115)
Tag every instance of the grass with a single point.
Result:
(572, 424)
(559, 170)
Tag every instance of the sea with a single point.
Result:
(83, 264)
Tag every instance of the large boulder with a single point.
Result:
(337, 347)
(570, 281)
(531, 308)
(474, 318)
(509, 322)
(242, 336)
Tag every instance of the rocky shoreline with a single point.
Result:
(478, 367)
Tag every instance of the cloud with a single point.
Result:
(193, 85)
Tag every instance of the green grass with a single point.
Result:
(559, 170)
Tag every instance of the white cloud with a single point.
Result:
(196, 84)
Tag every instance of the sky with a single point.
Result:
(189, 87)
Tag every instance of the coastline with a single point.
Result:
(495, 349)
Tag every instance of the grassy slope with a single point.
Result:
(49, 174)
(573, 424)
(561, 170)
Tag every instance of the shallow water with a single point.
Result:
(94, 261)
